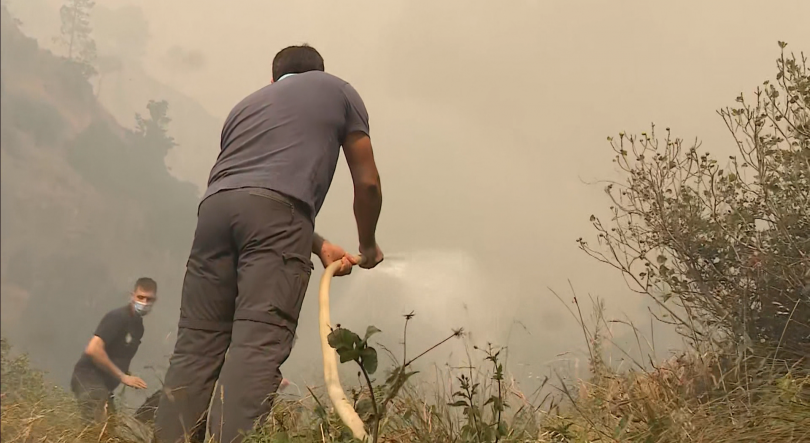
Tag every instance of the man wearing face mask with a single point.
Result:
(105, 361)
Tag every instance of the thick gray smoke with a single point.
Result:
(488, 118)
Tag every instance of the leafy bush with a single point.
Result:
(133, 168)
(725, 250)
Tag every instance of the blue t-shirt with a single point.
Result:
(286, 137)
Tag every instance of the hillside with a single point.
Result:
(197, 133)
(87, 207)
(121, 32)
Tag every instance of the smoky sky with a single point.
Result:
(184, 60)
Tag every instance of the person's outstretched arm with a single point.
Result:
(106, 331)
(96, 350)
(367, 195)
(367, 187)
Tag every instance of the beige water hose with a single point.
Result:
(342, 405)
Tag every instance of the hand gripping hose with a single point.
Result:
(342, 405)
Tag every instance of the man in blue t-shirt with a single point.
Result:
(249, 265)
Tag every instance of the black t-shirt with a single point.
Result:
(122, 330)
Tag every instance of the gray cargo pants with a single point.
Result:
(245, 281)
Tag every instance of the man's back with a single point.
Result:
(287, 136)
(249, 264)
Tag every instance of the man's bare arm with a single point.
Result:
(367, 188)
(329, 252)
(317, 244)
(95, 349)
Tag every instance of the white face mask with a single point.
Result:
(141, 308)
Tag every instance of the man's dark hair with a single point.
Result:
(147, 284)
(295, 60)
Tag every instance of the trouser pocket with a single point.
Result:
(297, 271)
(273, 290)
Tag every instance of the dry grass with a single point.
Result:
(35, 411)
(697, 398)
(691, 398)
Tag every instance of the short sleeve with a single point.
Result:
(109, 327)
(356, 113)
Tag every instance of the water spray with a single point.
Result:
(396, 266)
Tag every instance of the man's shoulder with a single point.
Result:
(323, 77)
(317, 81)
(113, 322)
(120, 312)
(307, 80)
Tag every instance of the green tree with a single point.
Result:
(153, 132)
(76, 33)
(725, 250)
